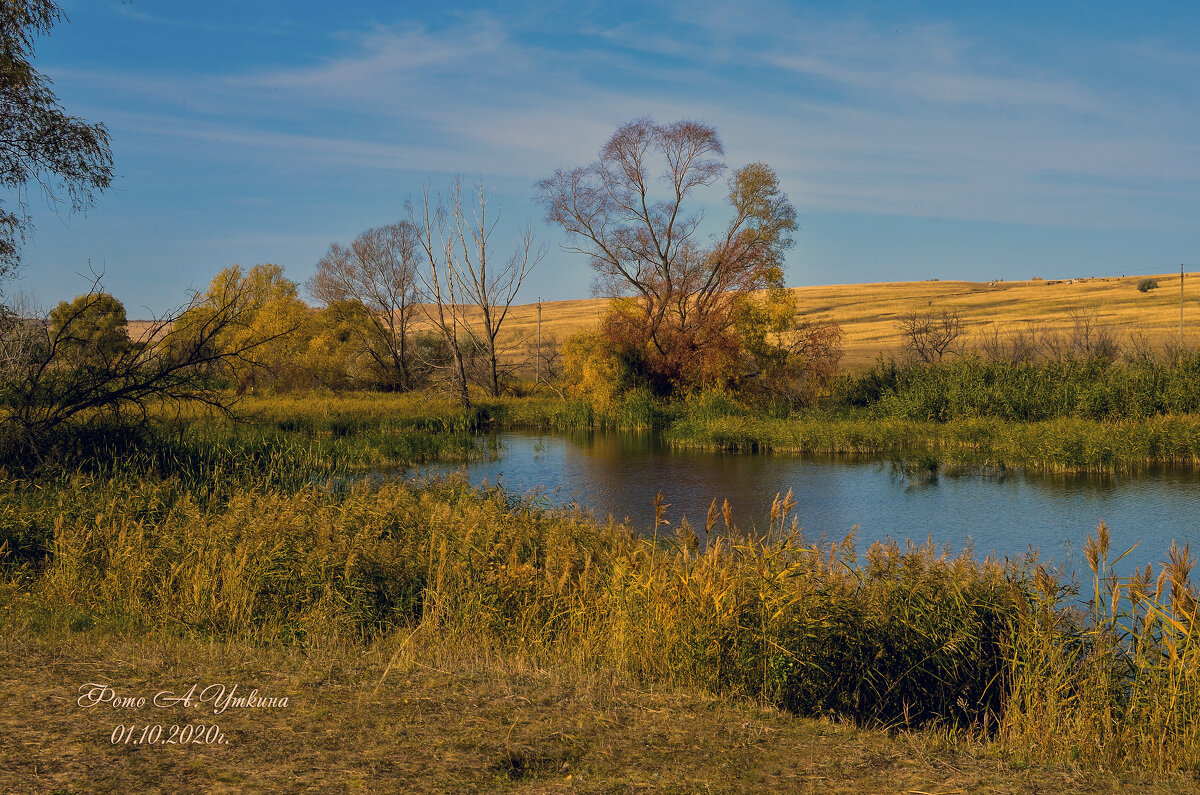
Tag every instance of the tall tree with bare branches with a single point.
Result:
(491, 287)
(642, 241)
(377, 272)
(441, 290)
(467, 295)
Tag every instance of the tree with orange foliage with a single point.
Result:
(676, 322)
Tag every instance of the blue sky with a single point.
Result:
(916, 139)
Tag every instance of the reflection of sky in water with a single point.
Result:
(619, 474)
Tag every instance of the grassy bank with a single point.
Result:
(1032, 391)
(1066, 414)
(1063, 415)
(1067, 445)
(219, 533)
(900, 637)
(373, 430)
(447, 720)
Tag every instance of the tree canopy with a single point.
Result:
(370, 286)
(633, 213)
(68, 158)
(92, 329)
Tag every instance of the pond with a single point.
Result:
(994, 513)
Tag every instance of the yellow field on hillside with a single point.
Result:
(868, 313)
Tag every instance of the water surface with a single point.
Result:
(998, 514)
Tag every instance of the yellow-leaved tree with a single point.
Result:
(273, 326)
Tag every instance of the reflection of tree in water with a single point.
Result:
(615, 446)
(1002, 510)
(623, 471)
(926, 471)
(916, 474)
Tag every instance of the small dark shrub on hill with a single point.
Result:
(1146, 285)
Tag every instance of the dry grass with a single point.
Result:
(449, 720)
(438, 578)
(868, 313)
(1119, 685)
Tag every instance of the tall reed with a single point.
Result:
(1030, 391)
(904, 636)
(1116, 683)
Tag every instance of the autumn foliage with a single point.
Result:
(686, 314)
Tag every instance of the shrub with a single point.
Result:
(91, 330)
(594, 370)
(1146, 285)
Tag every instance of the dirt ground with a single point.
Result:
(73, 722)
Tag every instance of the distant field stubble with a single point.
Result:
(868, 313)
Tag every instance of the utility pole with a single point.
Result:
(1180, 310)
(537, 379)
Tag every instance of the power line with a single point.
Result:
(1132, 270)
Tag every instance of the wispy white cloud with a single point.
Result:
(139, 13)
(270, 153)
(919, 118)
(393, 58)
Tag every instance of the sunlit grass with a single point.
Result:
(1066, 444)
(899, 636)
(868, 313)
(256, 532)
(1116, 683)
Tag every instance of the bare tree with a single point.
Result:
(1091, 339)
(642, 242)
(1017, 346)
(1140, 350)
(442, 291)
(24, 337)
(929, 336)
(467, 297)
(490, 289)
(549, 358)
(816, 348)
(378, 272)
(1087, 339)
